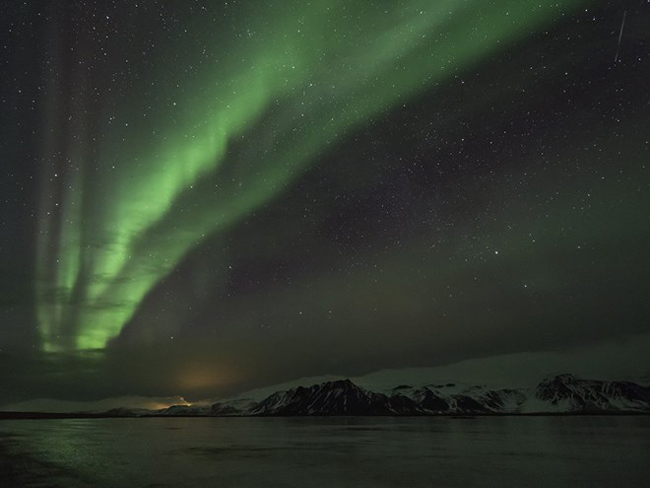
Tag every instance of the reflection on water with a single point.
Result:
(327, 452)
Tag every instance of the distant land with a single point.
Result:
(563, 394)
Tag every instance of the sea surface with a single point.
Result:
(327, 452)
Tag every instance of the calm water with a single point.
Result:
(321, 452)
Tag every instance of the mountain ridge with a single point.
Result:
(562, 393)
(555, 394)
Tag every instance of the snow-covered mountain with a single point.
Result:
(563, 393)
(455, 398)
(567, 393)
(334, 398)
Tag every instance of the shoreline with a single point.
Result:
(468, 416)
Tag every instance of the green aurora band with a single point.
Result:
(309, 76)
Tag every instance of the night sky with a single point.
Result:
(200, 197)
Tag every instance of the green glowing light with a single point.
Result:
(312, 75)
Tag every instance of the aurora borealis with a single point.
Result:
(205, 195)
(146, 212)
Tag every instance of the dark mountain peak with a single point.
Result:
(561, 379)
(569, 393)
(340, 397)
(626, 389)
(559, 387)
